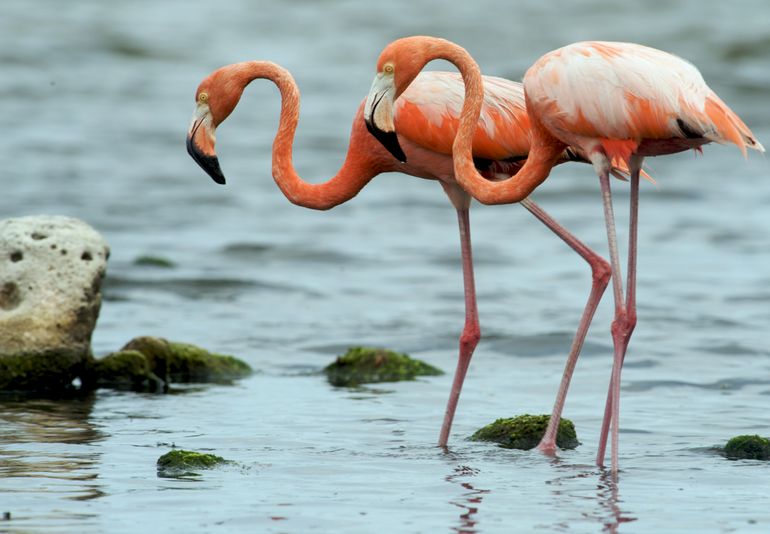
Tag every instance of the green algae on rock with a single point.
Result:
(525, 431)
(154, 261)
(362, 365)
(155, 350)
(47, 370)
(126, 369)
(748, 447)
(184, 362)
(188, 363)
(179, 462)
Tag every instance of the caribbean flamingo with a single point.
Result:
(615, 102)
(426, 119)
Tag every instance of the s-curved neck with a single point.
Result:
(545, 151)
(357, 170)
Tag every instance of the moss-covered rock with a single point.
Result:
(188, 363)
(525, 432)
(42, 371)
(180, 462)
(126, 369)
(748, 447)
(361, 365)
(183, 362)
(156, 351)
(50, 295)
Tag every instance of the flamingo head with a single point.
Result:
(398, 65)
(215, 99)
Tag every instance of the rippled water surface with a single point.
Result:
(96, 100)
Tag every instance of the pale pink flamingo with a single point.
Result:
(425, 119)
(614, 102)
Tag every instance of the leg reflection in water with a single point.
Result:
(468, 501)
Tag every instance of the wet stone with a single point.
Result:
(180, 463)
(362, 365)
(748, 447)
(525, 432)
(49, 300)
(184, 362)
(126, 369)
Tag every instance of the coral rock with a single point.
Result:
(51, 270)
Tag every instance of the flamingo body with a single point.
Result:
(423, 124)
(625, 98)
(617, 103)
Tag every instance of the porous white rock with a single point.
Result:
(51, 269)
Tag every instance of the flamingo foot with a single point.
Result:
(547, 448)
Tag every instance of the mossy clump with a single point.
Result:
(362, 365)
(156, 351)
(180, 462)
(525, 432)
(126, 369)
(748, 447)
(154, 261)
(50, 370)
(186, 363)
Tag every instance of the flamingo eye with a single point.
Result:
(388, 69)
(203, 98)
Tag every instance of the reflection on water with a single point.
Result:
(608, 511)
(45, 446)
(607, 496)
(468, 501)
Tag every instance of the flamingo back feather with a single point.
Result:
(428, 113)
(620, 94)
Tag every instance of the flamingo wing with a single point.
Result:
(428, 112)
(623, 93)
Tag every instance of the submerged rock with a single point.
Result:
(188, 363)
(525, 432)
(179, 462)
(154, 261)
(51, 270)
(126, 369)
(156, 352)
(748, 447)
(361, 365)
(183, 362)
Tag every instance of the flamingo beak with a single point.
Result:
(201, 143)
(378, 114)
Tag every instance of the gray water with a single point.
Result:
(96, 98)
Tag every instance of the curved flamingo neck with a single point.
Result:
(545, 150)
(357, 170)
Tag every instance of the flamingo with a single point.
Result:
(617, 103)
(425, 119)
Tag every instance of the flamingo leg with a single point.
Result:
(600, 271)
(625, 312)
(471, 331)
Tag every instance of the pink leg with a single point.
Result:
(471, 332)
(625, 313)
(600, 271)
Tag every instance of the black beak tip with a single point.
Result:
(210, 164)
(387, 139)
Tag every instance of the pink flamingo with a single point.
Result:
(615, 102)
(425, 119)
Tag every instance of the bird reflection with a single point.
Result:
(609, 515)
(607, 497)
(468, 501)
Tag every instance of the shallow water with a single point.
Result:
(96, 102)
